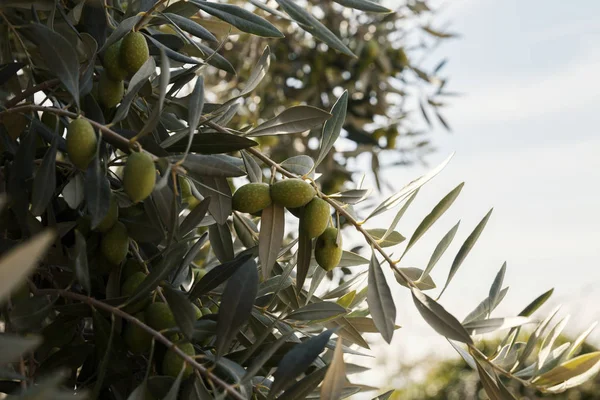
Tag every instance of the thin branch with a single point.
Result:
(32, 90)
(110, 136)
(157, 335)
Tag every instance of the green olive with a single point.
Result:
(328, 252)
(252, 198)
(292, 193)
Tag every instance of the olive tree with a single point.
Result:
(130, 270)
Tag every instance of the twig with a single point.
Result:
(110, 136)
(157, 335)
(32, 90)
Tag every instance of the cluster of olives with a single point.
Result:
(299, 197)
(121, 60)
(158, 316)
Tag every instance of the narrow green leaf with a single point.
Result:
(272, 228)
(364, 5)
(335, 378)
(196, 104)
(218, 189)
(193, 219)
(97, 192)
(570, 373)
(44, 183)
(293, 120)
(440, 249)
(218, 275)
(391, 239)
(535, 304)
(333, 127)
(548, 342)
(173, 392)
(297, 361)
(236, 305)
(400, 214)
(312, 25)
(577, 342)
(191, 27)
(80, 261)
(465, 249)
(305, 386)
(213, 165)
(17, 263)
(58, 54)
(139, 79)
(407, 190)
(242, 19)
(170, 260)
(183, 310)
(163, 83)
(488, 383)
(439, 319)
(221, 241)
(496, 288)
(252, 167)
(433, 216)
(493, 324)
(123, 28)
(263, 357)
(300, 165)
(317, 311)
(415, 275)
(303, 256)
(381, 303)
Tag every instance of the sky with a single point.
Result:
(526, 142)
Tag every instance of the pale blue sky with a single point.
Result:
(527, 142)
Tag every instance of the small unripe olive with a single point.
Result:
(134, 52)
(112, 62)
(130, 267)
(81, 143)
(206, 311)
(187, 195)
(110, 91)
(197, 311)
(138, 340)
(328, 252)
(315, 217)
(128, 289)
(173, 363)
(159, 316)
(131, 283)
(110, 218)
(252, 198)
(292, 193)
(115, 244)
(139, 176)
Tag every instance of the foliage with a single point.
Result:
(395, 97)
(129, 275)
(454, 379)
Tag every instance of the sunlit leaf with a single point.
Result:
(272, 227)
(466, 249)
(293, 120)
(333, 126)
(335, 378)
(381, 303)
